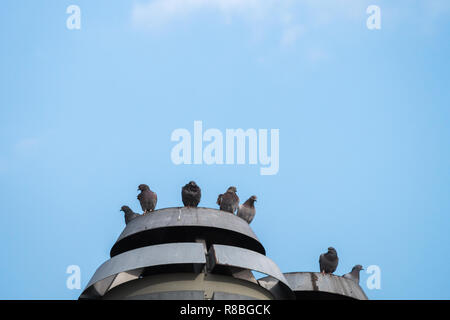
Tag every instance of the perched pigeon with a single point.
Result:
(354, 274)
(147, 198)
(191, 194)
(229, 201)
(247, 210)
(129, 214)
(328, 261)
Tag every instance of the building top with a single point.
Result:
(315, 285)
(205, 253)
(182, 224)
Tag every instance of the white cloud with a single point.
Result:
(157, 13)
(290, 16)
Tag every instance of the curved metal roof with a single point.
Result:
(163, 258)
(130, 265)
(182, 224)
(250, 260)
(315, 285)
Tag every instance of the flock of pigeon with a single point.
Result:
(229, 202)
(191, 195)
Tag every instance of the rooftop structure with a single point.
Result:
(201, 253)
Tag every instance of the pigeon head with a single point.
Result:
(192, 183)
(143, 187)
(125, 209)
(250, 202)
(332, 250)
(358, 268)
(232, 189)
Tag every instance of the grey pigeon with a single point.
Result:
(191, 194)
(354, 274)
(129, 214)
(247, 210)
(147, 198)
(328, 261)
(229, 201)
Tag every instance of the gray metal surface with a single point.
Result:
(171, 285)
(224, 225)
(171, 295)
(182, 216)
(246, 259)
(230, 296)
(315, 282)
(129, 265)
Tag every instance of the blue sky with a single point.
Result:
(87, 115)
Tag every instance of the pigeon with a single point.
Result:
(247, 210)
(229, 201)
(328, 261)
(147, 198)
(129, 214)
(191, 194)
(354, 274)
